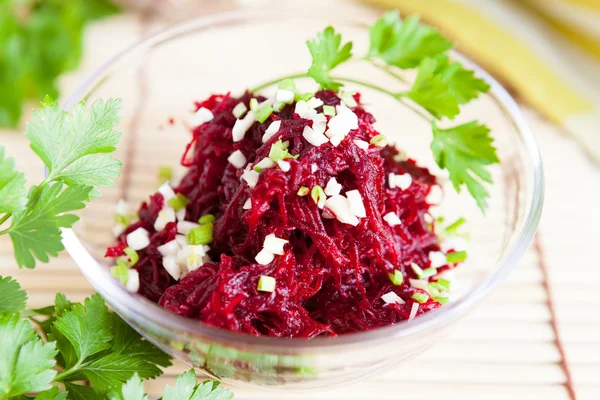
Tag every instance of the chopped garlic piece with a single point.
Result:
(392, 298)
(419, 284)
(361, 144)
(180, 215)
(284, 96)
(264, 257)
(413, 310)
(356, 203)
(239, 110)
(437, 258)
(242, 125)
(166, 191)
(284, 165)
(166, 215)
(333, 187)
(251, 177)
(169, 248)
(201, 116)
(392, 219)
(133, 280)
(314, 168)
(185, 227)
(340, 207)
(274, 244)
(138, 239)
(271, 131)
(264, 164)
(181, 239)
(314, 102)
(313, 137)
(247, 205)
(402, 181)
(339, 126)
(237, 159)
(172, 267)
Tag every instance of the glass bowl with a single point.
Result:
(161, 77)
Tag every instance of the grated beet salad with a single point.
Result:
(303, 225)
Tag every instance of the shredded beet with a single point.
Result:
(332, 276)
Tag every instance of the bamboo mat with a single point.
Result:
(535, 337)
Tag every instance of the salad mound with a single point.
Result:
(294, 219)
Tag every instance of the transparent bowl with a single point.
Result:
(160, 78)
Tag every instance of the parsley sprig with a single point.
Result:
(440, 88)
(75, 148)
(70, 343)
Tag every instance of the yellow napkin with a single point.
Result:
(548, 51)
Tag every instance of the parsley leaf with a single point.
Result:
(465, 151)
(114, 369)
(26, 363)
(87, 327)
(81, 392)
(186, 388)
(441, 86)
(35, 231)
(72, 144)
(133, 389)
(12, 185)
(326, 55)
(128, 341)
(52, 394)
(13, 299)
(73, 147)
(405, 44)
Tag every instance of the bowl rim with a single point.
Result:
(146, 310)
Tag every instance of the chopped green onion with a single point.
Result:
(329, 110)
(239, 110)
(165, 174)
(427, 273)
(397, 278)
(456, 257)
(420, 297)
(201, 235)
(439, 220)
(287, 84)
(379, 140)
(178, 202)
(304, 96)
(206, 219)
(444, 282)
(438, 286)
(263, 113)
(348, 99)
(441, 300)
(279, 151)
(417, 269)
(433, 290)
(455, 225)
(266, 284)
(303, 191)
(125, 219)
(253, 104)
(278, 106)
(120, 272)
(318, 194)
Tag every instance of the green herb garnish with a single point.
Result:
(440, 88)
(74, 148)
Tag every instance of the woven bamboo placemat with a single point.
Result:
(536, 337)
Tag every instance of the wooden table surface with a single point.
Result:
(536, 337)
